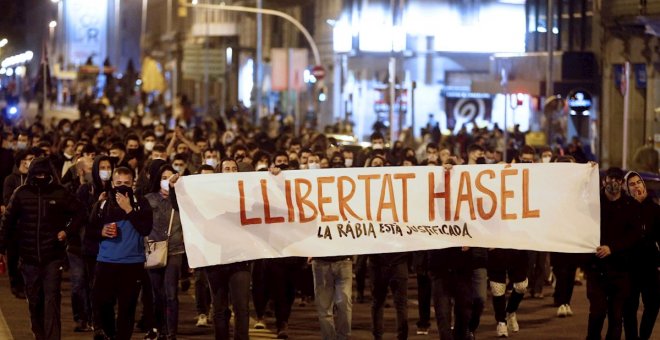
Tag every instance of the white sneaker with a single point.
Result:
(561, 311)
(202, 321)
(569, 311)
(502, 330)
(512, 322)
(260, 324)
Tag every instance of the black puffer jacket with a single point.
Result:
(36, 214)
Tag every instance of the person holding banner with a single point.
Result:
(645, 279)
(167, 226)
(229, 283)
(479, 272)
(608, 279)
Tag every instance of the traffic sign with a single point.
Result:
(318, 72)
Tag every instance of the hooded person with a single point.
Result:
(39, 216)
(144, 183)
(645, 258)
(82, 250)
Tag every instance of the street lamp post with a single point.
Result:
(259, 10)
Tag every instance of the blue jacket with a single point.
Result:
(128, 246)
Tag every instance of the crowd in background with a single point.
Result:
(83, 195)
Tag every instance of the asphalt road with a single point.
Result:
(536, 317)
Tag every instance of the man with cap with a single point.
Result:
(38, 218)
(644, 276)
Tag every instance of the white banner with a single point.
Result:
(243, 216)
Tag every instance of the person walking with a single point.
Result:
(608, 279)
(166, 226)
(119, 220)
(38, 217)
(645, 279)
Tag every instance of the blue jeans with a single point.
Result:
(165, 283)
(80, 289)
(42, 289)
(396, 279)
(333, 286)
(230, 282)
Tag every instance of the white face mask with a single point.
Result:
(348, 162)
(211, 161)
(149, 145)
(165, 185)
(159, 133)
(261, 166)
(546, 159)
(179, 169)
(313, 166)
(21, 145)
(377, 146)
(104, 175)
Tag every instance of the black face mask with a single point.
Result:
(124, 190)
(338, 165)
(114, 160)
(132, 153)
(42, 182)
(481, 160)
(283, 166)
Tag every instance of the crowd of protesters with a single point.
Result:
(83, 195)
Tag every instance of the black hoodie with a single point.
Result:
(646, 254)
(88, 194)
(37, 213)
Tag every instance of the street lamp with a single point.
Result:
(52, 24)
(55, 1)
(3, 42)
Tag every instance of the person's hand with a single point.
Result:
(173, 179)
(593, 164)
(603, 251)
(2, 209)
(61, 236)
(124, 203)
(109, 231)
(447, 167)
(464, 248)
(103, 196)
(309, 260)
(274, 170)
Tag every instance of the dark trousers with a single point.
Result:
(260, 291)
(537, 272)
(230, 283)
(202, 292)
(80, 291)
(361, 274)
(564, 267)
(607, 293)
(453, 285)
(396, 279)
(42, 289)
(147, 300)
(15, 276)
(424, 290)
(117, 283)
(165, 287)
(283, 273)
(644, 281)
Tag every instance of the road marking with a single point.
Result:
(5, 333)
